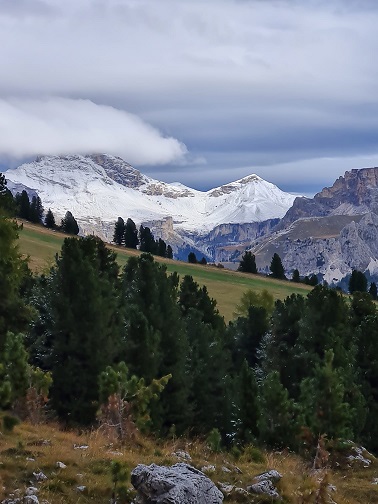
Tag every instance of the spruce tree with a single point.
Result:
(276, 424)
(146, 240)
(373, 290)
(161, 248)
(192, 258)
(86, 325)
(248, 263)
(131, 234)
(357, 282)
(50, 220)
(296, 278)
(23, 205)
(323, 403)
(248, 405)
(36, 210)
(276, 268)
(69, 224)
(169, 252)
(119, 231)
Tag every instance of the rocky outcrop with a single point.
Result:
(355, 193)
(179, 484)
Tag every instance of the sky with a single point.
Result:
(197, 91)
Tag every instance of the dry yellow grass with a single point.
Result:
(31, 449)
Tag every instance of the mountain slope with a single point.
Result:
(330, 234)
(99, 188)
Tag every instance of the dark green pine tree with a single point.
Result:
(276, 267)
(192, 258)
(248, 405)
(131, 235)
(50, 220)
(323, 402)
(169, 252)
(69, 224)
(23, 205)
(7, 203)
(248, 263)
(161, 248)
(276, 424)
(36, 210)
(373, 290)
(248, 334)
(86, 325)
(357, 282)
(296, 278)
(163, 338)
(14, 313)
(367, 360)
(146, 240)
(119, 231)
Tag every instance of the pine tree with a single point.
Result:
(357, 282)
(36, 210)
(323, 403)
(146, 240)
(131, 234)
(119, 231)
(248, 263)
(50, 220)
(373, 290)
(248, 405)
(169, 252)
(163, 338)
(69, 224)
(23, 205)
(7, 203)
(86, 325)
(14, 313)
(161, 248)
(192, 258)
(277, 426)
(296, 278)
(276, 268)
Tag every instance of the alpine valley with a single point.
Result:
(329, 235)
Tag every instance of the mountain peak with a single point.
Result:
(98, 188)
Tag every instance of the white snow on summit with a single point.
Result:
(99, 188)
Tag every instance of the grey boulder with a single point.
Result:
(179, 484)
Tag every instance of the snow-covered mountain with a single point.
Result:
(98, 188)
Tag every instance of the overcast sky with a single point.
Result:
(198, 91)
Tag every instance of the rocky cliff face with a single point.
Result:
(330, 234)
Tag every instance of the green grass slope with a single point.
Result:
(225, 286)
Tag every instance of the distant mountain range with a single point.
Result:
(329, 235)
(99, 188)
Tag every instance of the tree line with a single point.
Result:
(127, 235)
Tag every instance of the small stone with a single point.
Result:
(208, 469)
(80, 447)
(31, 491)
(115, 453)
(30, 459)
(60, 465)
(40, 476)
(182, 454)
(81, 488)
(31, 499)
(272, 475)
(264, 487)
(226, 469)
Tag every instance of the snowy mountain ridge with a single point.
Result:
(98, 188)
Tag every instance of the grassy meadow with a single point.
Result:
(225, 286)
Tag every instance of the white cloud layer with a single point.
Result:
(30, 127)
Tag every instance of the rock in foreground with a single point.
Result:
(179, 484)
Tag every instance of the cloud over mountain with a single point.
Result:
(60, 125)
